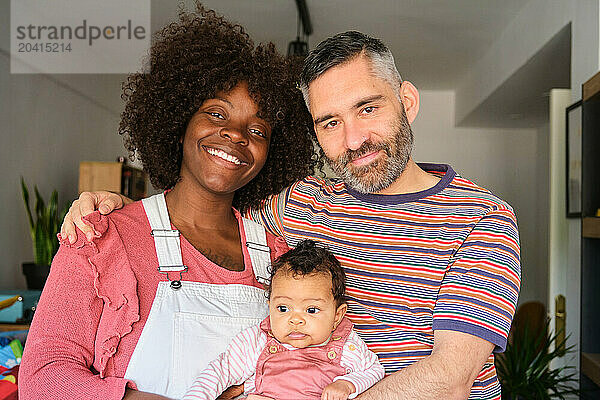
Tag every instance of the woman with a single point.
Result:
(217, 124)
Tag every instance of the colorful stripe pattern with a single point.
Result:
(445, 258)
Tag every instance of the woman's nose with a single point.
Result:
(235, 134)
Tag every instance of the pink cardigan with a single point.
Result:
(96, 302)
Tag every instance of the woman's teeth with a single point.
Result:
(224, 156)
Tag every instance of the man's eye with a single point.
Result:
(312, 310)
(368, 110)
(331, 124)
(282, 308)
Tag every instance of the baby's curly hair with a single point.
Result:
(190, 61)
(311, 258)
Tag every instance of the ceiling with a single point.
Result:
(434, 41)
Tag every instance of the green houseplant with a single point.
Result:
(524, 368)
(44, 224)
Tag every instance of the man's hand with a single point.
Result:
(338, 390)
(87, 203)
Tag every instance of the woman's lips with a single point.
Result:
(223, 157)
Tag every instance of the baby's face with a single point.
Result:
(302, 309)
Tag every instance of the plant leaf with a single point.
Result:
(26, 201)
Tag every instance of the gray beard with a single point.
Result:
(380, 174)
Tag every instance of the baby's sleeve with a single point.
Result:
(362, 366)
(232, 367)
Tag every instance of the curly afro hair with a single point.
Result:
(190, 61)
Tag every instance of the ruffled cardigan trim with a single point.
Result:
(114, 283)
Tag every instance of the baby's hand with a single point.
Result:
(338, 390)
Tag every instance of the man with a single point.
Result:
(432, 260)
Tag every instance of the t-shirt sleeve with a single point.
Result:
(480, 289)
(270, 212)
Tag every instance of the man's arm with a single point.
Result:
(270, 213)
(88, 202)
(448, 373)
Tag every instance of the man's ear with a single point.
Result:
(339, 314)
(410, 99)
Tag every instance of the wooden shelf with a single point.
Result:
(13, 327)
(112, 176)
(591, 227)
(591, 87)
(590, 366)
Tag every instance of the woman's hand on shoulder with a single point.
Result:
(88, 202)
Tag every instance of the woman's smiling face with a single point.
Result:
(225, 143)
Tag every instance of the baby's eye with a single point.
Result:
(312, 310)
(282, 308)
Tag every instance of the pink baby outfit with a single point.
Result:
(267, 367)
(299, 374)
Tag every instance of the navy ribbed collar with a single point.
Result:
(389, 199)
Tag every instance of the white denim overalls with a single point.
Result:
(190, 323)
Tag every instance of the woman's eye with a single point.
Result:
(258, 132)
(312, 310)
(215, 115)
(282, 308)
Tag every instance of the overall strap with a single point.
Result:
(260, 253)
(166, 239)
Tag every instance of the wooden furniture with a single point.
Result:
(112, 176)
(13, 327)
(590, 239)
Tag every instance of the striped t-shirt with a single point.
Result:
(444, 258)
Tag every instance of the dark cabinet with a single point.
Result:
(590, 238)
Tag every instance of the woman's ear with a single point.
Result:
(339, 314)
(409, 95)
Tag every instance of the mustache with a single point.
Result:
(367, 147)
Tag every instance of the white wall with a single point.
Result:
(48, 124)
(46, 128)
(536, 23)
(508, 162)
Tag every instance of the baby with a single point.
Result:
(305, 349)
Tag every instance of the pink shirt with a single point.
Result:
(96, 302)
(238, 364)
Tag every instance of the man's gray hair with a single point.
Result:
(344, 47)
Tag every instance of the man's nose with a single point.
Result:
(355, 135)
